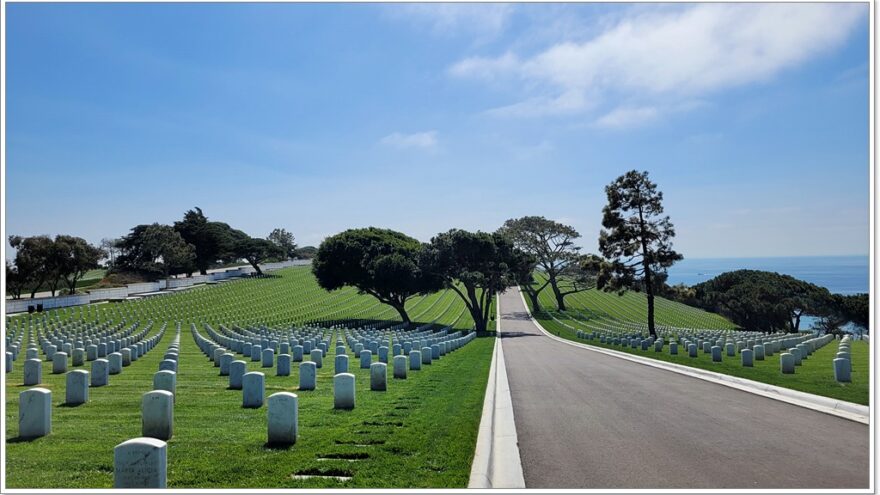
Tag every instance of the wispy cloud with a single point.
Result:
(663, 56)
(483, 20)
(624, 117)
(423, 140)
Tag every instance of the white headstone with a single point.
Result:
(747, 357)
(165, 380)
(100, 372)
(340, 364)
(283, 418)
(786, 363)
(307, 376)
(366, 358)
(33, 372)
(78, 357)
(842, 370)
(378, 376)
(253, 389)
(140, 463)
(284, 361)
(216, 354)
(317, 357)
(77, 388)
(157, 414)
(268, 358)
(400, 367)
(343, 391)
(225, 361)
(115, 361)
(59, 363)
(34, 413)
(415, 360)
(237, 369)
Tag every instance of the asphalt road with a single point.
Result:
(588, 420)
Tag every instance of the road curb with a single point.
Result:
(497, 462)
(842, 409)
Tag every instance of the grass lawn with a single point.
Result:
(815, 375)
(421, 432)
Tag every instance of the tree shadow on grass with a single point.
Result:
(382, 324)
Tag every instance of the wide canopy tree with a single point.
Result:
(285, 241)
(636, 239)
(75, 257)
(380, 262)
(211, 241)
(35, 260)
(255, 250)
(551, 244)
(15, 281)
(155, 250)
(763, 301)
(482, 264)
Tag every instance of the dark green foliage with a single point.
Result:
(380, 262)
(211, 241)
(551, 244)
(15, 281)
(75, 258)
(34, 260)
(837, 310)
(41, 261)
(255, 250)
(284, 240)
(306, 253)
(636, 239)
(762, 301)
(482, 263)
(155, 251)
(857, 309)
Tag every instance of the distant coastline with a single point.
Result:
(838, 274)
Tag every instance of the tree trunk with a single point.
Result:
(402, 311)
(480, 322)
(649, 283)
(203, 271)
(536, 306)
(560, 298)
(256, 267)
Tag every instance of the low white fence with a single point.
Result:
(95, 295)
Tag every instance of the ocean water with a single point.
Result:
(838, 274)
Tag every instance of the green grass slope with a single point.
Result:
(421, 432)
(594, 310)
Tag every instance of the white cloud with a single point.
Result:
(667, 55)
(626, 117)
(486, 20)
(423, 140)
(569, 102)
(486, 68)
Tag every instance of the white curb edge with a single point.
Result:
(843, 409)
(497, 462)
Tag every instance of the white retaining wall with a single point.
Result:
(95, 295)
(21, 305)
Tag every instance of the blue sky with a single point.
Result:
(752, 118)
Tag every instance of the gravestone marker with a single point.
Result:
(140, 463)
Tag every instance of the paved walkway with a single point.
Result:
(588, 420)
